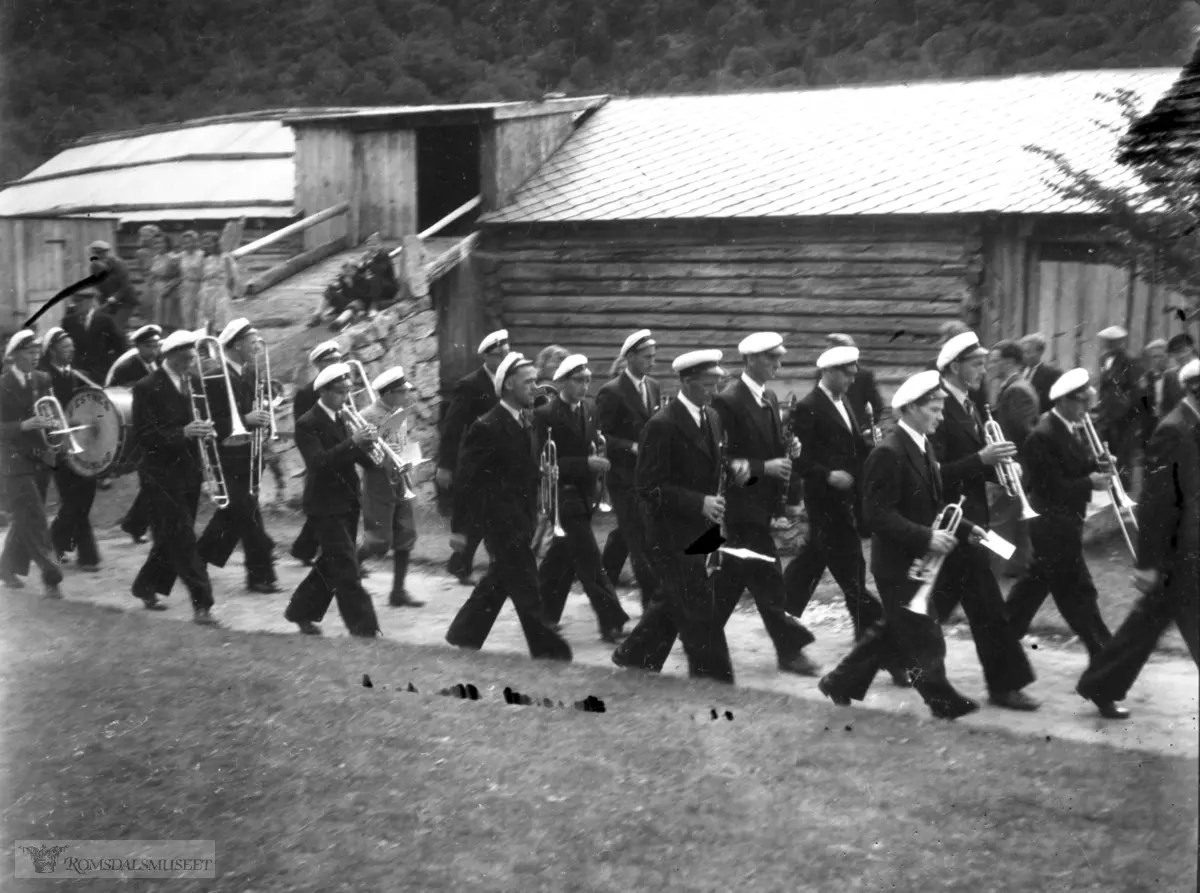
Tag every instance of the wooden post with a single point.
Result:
(357, 192)
(413, 265)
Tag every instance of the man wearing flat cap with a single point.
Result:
(135, 364)
(1168, 554)
(118, 298)
(474, 395)
(1037, 371)
(240, 521)
(98, 341)
(1116, 409)
(25, 462)
(496, 494)
(172, 474)
(680, 467)
(757, 448)
(1061, 475)
(623, 406)
(968, 463)
(321, 357)
(569, 418)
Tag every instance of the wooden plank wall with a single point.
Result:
(889, 283)
(388, 194)
(462, 323)
(513, 149)
(324, 169)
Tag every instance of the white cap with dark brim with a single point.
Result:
(1112, 333)
(576, 362)
(330, 374)
(19, 341)
(1189, 372)
(639, 339)
(1156, 344)
(52, 338)
(915, 387)
(697, 361)
(145, 333)
(1069, 382)
(761, 342)
(963, 346)
(234, 330)
(491, 341)
(511, 362)
(323, 350)
(180, 339)
(391, 378)
(837, 356)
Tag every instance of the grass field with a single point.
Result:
(119, 727)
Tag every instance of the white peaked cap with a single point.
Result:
(322, 350)
(1189, 371)
(837, 356)
(960, 347)
(145, 333)
(1069, 382)
(570, 365)
(490, 341)
(234, 330)
(1112, 333)
(696, 360)
(639, 339)
(52, 337)
(761, 342)
(21, 339)
(915, 387)
(178, 340)
(511, 362)
(389, 377)
(330, 374)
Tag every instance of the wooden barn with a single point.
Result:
(882, 211)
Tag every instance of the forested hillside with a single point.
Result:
(72, 67)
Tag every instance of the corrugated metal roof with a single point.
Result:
(920, 148)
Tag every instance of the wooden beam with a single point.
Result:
(458, 212)
(550, 107)
(102, 168)
(294, 265)
(116, 210)
(449, 259)
(292, 228)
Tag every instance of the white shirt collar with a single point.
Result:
(835, 400)
(22, 379)
(692, 408)
(515, 413)
(918, 439)
(176, 378)
(637, 381)
(1071, 426)
(236, 367)
(329, 412)
(961, 396)
(756, 389)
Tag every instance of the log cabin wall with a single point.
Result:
(891, 283)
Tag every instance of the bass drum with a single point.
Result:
(108, 439)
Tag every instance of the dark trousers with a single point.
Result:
(1112, 672)
(687, 609)
(832, 543)
(511, 574)
(334, 575)
(903, 640)
(628, 540)
(1059, 569)
(28, 539)
(967, 577)
(240, 522)
(172, 507)
(462, 563)
(71, 530)
(305, 546)
(137, 520)
(576, 555)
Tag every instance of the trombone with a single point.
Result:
(48, 407)
(548, 495)
(925, 569)
(604, 501)
(263, 400)
(1007, 471)
(361, 372)
(1121, 502)
(210, 457)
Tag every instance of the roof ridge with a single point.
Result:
(272, 114)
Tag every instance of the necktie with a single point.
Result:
(645, 394)
(931, 467)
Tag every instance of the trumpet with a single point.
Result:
(874, 434)
(210, 457)
(713, 563)
(1008, 470)
(263, 401)
(48, 407)
(548, 495)
(366, 388)
(925, 569)
(1121, 502)
(604, 501)
(377, 450)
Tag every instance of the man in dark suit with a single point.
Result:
(830, 464)
(952, 329)
(118, 298)
(863, 391)
(679, 475)
(496, 488)
(762, 470)
(1181, 350)
(25, 461)
(98, 341)
(968, 464)
(623, 406)
(321, 357)
(1168, 559)
(1040, 374)
(902, 496)
(240, 521)
(71, 530)
(1016, 412)
(473, 396)
(1061, 475)
(331, 449)
(570, 419)
(165, 428)
(1116, 410)
(130, 368)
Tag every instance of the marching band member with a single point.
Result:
(1117, 406)
(570, 419)
(863, 390)
(678, 480)
(758, 452)
(324, 355)
(623, 406)
(71, 530)
(25, 472)
(98, 341)
(240, 521)
(902, 497)
(496, 489)
(388, 522)
(167, 431)
(1168, 559)
(331, 448)
(1016, 412)
(134, 365)
(968, 462)
(474, 395)
(1060, 475)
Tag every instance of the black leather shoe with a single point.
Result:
(800, 665)
(827, 690)
(614, 636)
(202, 617)
(1014, 700)
(153, 604)
(953, 709)
(402, 599)
(265, 588)
(902, 679)
(1108, 709)
(309, 628)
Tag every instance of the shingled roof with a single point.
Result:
(942, 147)
(1170, 132)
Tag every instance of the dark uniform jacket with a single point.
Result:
(473, 396)
(1043, 377)
(1017, 409)
(128, 370)
(1057, 466)
(957, 443)
(574, 433)
(621, 415)
(828, 445)
(496, 482)
(331, 481)
(98, 344)
(1168, 514)
(218, 402)
(864, 392)
(22, 452)
(1118, 388)
(160, 413)
(304, 399)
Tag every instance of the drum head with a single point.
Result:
(106, 441)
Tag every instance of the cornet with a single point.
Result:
(1008, 470)
(263, 401)
(48, 407)
(713, 563)
(604, 501)
(548, 495)
(1121, 502)
(376, 449)
(925, 569)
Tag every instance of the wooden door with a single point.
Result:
(1078, 297)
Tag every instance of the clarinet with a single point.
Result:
(713, 563)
